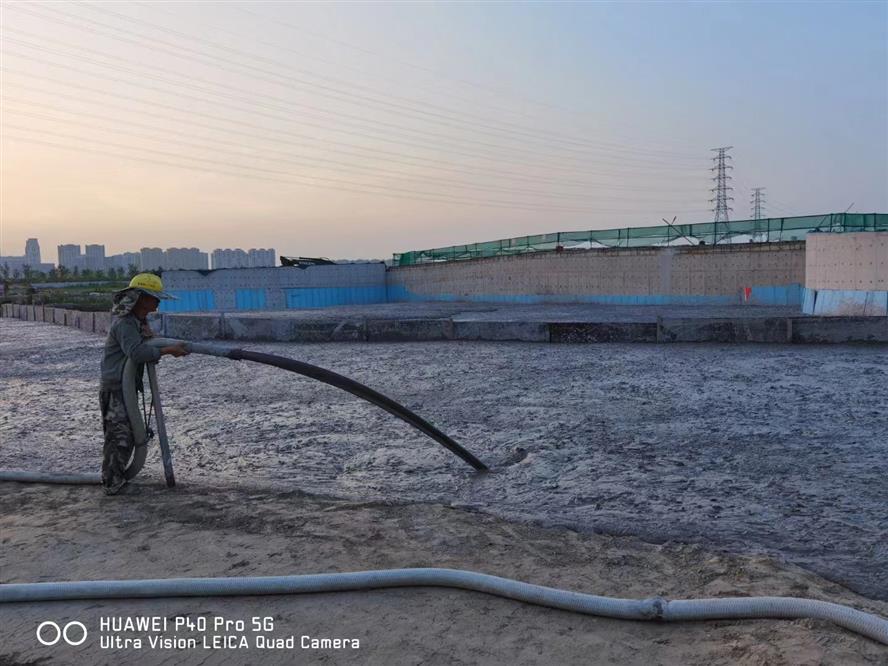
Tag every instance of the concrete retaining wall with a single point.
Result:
(90, 322)
(836, 330)
(102, 322)
(773, 330)
(847, 262)
(845, 303)
(847, 274)
(686, 275)
(274, 288)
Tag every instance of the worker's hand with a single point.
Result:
(177, 350)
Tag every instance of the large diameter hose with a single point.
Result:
(364, 392)
(334, 379)
(866, 624)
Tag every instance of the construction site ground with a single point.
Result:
(627, 470)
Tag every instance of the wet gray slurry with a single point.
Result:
(751, 448)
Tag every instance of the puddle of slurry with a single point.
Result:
(751, 448)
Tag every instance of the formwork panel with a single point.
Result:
(326, 297)
(189, 300)
(250, 299)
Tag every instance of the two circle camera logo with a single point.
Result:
(50, 633)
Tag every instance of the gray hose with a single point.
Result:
(866, 624)
(137, 425)
(48, 477)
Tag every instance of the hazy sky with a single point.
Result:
(358, 130)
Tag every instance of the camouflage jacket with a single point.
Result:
(126, 339)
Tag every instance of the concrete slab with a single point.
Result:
(191, 327)
(349, 331)
(839, 329)
(581, 323)
(521, 331)
(603, 332)
(320, 331)
(773, 329)
(409, 330)
(542, 312)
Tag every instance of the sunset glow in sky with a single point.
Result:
(358, 130)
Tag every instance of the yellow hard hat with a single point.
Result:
(149, 283)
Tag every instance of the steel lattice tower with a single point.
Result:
(721, 189)
(757, 201)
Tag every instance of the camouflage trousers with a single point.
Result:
(119, 441)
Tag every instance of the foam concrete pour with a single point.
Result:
(771, 449)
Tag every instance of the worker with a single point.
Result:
(126, 340)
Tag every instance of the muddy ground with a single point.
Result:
(196, 530)
(753, 449)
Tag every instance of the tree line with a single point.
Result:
(64, 274)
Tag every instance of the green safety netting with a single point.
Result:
(743, 231)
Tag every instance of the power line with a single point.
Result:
(338, 184)
(321, 89)
(486, 88)
(263, 156)
(558, 165)
(457, 112)
(277, 137)
(374, 152)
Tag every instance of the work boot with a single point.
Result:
(115, 486)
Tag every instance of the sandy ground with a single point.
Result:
(758, 450)
(77, 533)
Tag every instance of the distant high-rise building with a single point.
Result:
(151, 258)
(124, 261)
(174, 257)
(132, 259)
(30, 260)
(32, 251)
(70, 257)
(94, 257)
(228, 258)
(185, 258)
(261, 257)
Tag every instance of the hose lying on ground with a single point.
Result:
(23, 476)
(866, 624)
